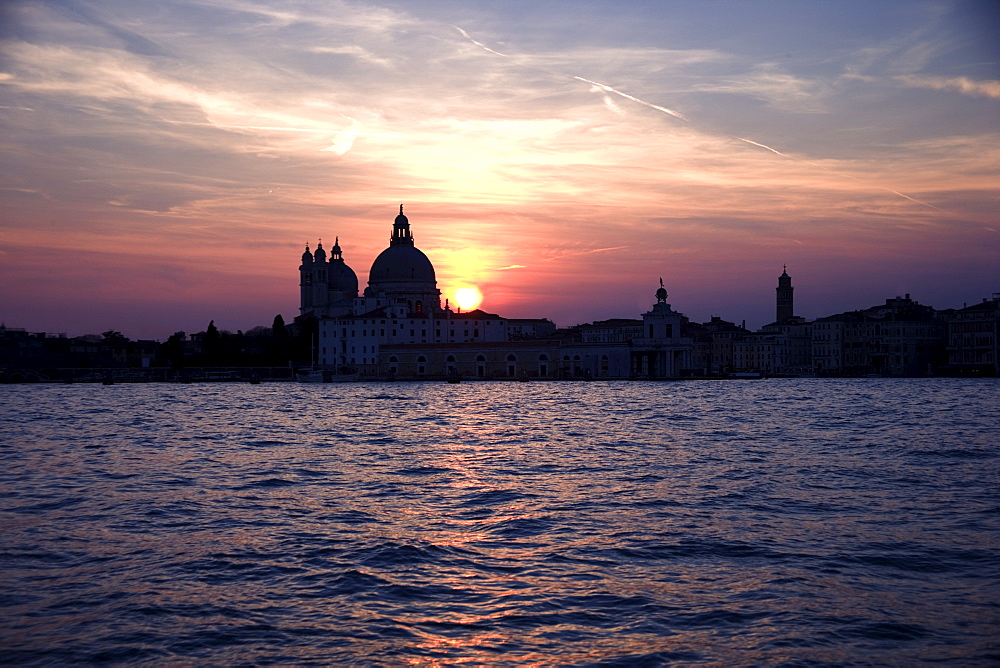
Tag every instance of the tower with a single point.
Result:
(785, 309)
(306, 282)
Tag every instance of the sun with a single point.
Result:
(468, 298)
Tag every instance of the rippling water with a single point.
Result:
(720, 523)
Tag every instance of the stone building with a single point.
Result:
(974, 339)
(899, 338)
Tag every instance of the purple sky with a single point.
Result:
(165, 163)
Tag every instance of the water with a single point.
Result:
(777, 522)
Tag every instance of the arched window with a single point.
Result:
(420, 306)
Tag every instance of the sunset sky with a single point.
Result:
(165, 163)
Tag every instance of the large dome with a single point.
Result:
(404, 264)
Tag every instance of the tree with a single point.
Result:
(278, 328)
(282, 350)
(211, 344)
(173, 349)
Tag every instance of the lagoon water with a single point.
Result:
(762, 522)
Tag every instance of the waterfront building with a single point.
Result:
(397, 328)
(662, 351)
(899, 338)
(520, 329)
(400, 306)
(974, 338)
(724, 335)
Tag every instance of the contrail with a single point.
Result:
(682, 117)
(634, 99)
(841, 174)
(768, 148)
(479, 44)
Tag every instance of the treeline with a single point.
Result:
(262, 346)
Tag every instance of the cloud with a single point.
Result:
(771, 83)
(354, 51)
(963, 85)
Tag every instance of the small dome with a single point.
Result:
(307, 257)
(343, 278)
(320, 254)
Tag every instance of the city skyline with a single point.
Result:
(166, 165)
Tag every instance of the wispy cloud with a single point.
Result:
(963, 85)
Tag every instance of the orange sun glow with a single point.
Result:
(468, 298)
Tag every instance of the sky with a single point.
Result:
(165, 163)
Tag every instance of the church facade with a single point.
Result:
(397, 328)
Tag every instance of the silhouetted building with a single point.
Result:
(662, 351)
(327, 287)
(900, 338)
(974, 338)
(523, 329)
(398, 329)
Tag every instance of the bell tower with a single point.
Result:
(785, 309)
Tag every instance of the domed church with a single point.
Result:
(326, 288)
(400, 306)
(402, 274)
(397, 328)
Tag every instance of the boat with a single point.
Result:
(309, 375)
(314, 375)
